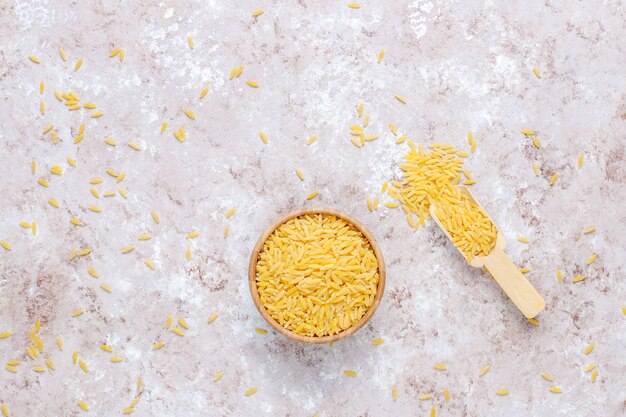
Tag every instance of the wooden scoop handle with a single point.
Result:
(514, 283)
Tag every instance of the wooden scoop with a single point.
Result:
(503, 270)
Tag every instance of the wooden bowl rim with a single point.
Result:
(315, 339)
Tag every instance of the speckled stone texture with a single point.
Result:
(462, 65)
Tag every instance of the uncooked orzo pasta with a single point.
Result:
(317, 275)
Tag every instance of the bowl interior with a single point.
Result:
(315, 339)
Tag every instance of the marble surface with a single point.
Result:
(461, 66)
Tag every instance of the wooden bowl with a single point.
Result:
(315, 339)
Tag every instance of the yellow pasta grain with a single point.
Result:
(50, 364)
(78, 312)
(536, 72)
(349, 373)
(555, 390)
(5, 244)
(122, 192)
(144, 236)
(158, 345)
(391, 204)
(594, 375)
(400, 98)
(42, 87)
(536, 169)
(48, 128)
(484, 370)
(106, 347)
(534, 322)
(231, 212)
(168, 321)
(260, 331)
(190, 42)
(134, 146)
(378, 342)
(96, 114)
(33, 228)
(5, 335)
(589, 348)
(547, 377)
(60, 343)
(212, 317)
(300, 174)
(128, 249)
(401, 139)
(527, 132)
(394, 393)
(524, 270)
(34, 59)
(183, 322)
(33, 166)
(83, 405)
(592, 259)
(553, 178)
(115, 52)
(354, 5)
(149, 263)
(312, 195)
(218, 376)
(581, 160)
(53, 202)
(440, 367)
(433, 411)
(523, 239)
(590, 367)
(311, 139)
(163, 127)
(258, 12)
(128, 410)
(193, 235)
(116, 359)
(188, 254)
(94, 192)
(74, 357)
(250, 392)
(559, 275)
(502, 392)
(178, 331)
(57, 95)
(120, 177)
(204, 92)
(43, 182)
(359, 109)
(139, 384)
(25, 225)
(105, 287)
(71, 161)
(446, 394)
(93, 272)
(424, 397)
(79, 63)
(253, 84)
(578, 278)
(155, 217)
(4, 409)
(393, 129)
(589, 230)
(63, 54)
(381, 55)
(189, 114)
(42, 107)
(535, 142)
(356, 142)
(263, 137)
(89, 106)
(83, 365)
(39, 369)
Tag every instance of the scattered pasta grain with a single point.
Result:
(79, 63)
(350, 373)
(218, 376)
(258, 12)
(425, 397)
(230, 213)
(354, 5)
(260, 331)
(534, 321)
(250, 392)
(446, 394)
(83, 405)
(158, 345)
(190, 42)
(34, 59)
(380, 57)
(394, 393)
(378, 342)
(440, 367)
(594, 375)
(589, 348)
(204, 92)
(547, 377)
(590, 367)
(189, 114)
(263, 137)
(553, 178)
(183, 323)
(178, 331)
(400, 98)
(578, 278)
(253, 84)
(502, 392)
(312, 195)
(592, 259)
(559, 275)
(128, 249)
(589, 230)
(193, 235)
(105, 287)
(78, 312)
(149, 263)
(523, 239)
(484, 370)
(212, 317)
(536, 72)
